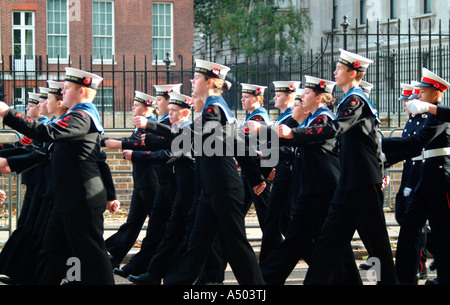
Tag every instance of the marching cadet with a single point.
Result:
(410, 177)
(75, 228)
(358, 200)
(253, 102)
(163, 201)
(184, 171)
(43, 95)
(220, 190)
(19, 244)
(145, 186)
(282, 194)
(319, 173)
(430, 195)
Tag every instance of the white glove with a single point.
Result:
(383, 157)
(406, 191)
(416, 106)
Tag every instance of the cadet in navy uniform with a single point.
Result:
(253, 102)
(162, 203)
(318, 179)
(20, 241)
(410, 177)
(220, 190)
(145, 186)
(282, 194)
(430, 196)
(28, 177)
(184, 171)
(358, 200)
(75, 228)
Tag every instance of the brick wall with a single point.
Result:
(133, 30)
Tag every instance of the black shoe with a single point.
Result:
(432, 282)
(7, 280)
(121, 272)
(144, 279)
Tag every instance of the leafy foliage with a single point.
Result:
(253, 27)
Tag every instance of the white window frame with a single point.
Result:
(22, 26)
(161, 60)
(62, 60)
(98, 61)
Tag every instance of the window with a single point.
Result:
(427, 6)
(102, 30)
(162, 30)
(104, 97)
(393, 9)
(23, 35)
(362, 12)
(23, 41)
(57, 29)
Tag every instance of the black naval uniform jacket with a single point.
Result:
(443, 113)
(434, 134)
(319, 163)
(411, 168)
(144, 175)
(214, 173)
(357, 139)
(74, 161)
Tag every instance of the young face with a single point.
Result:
(138, 109)
(342, 74)
(197, 103)
(249, 102)
(199, 84)
(162, 104)
(33, 110)
(72, 94)
(281, 100)
(176, 113)
(310, 100)
(299, 113)
(429, 94)
(52, 104)
(42, 106)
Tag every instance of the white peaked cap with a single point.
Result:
(298, 93)
(43, 92)
(354, 61)
(83, 78)
(367, 87)
(55, 87)
(180, 100)
(319, 84)
(286, 86)
(407, 90)
(429, 79)
(166, 89)
(33, 97)
(144, 98)
(211, 69)
(253, 89)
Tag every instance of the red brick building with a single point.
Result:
(119, 39)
